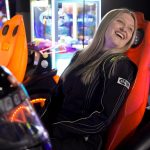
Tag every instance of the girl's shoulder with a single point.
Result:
(119, 63)
(115, 57)
(118, 58)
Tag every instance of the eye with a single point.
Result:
(120, 21)
(15, 30)
(130, 29)
(5, 29)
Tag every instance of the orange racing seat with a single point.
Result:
(133, 109)
(13, 46)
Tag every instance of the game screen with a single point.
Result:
(65, 19)
(42, 22)
(76, 23)
(86, 22)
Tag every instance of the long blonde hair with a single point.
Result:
(95, 48)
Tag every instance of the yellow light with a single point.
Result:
(39, 100)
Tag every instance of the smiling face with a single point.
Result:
(119, 31)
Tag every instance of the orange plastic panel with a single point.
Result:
(56, 78)
(133, 110)
(13, 46)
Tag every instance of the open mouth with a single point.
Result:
(120, 35)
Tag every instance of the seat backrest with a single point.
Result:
(13, 46)
(133, 109)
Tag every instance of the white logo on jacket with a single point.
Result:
(123, 82)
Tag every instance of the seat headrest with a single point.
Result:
(135, 51)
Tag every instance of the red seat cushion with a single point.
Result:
(133, 109)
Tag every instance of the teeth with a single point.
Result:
(120, 35)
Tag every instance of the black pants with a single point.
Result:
(92, 142)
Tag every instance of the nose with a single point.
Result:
(124, 29)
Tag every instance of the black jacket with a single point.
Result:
(89, 109)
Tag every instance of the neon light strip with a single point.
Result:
(39, 100)
(13, 118)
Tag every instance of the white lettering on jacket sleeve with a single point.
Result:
(123, 82)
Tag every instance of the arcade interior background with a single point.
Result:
(60, 28)
(71, 28)
(63, 27)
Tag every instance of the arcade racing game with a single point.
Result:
(13, 39)
(20, 127)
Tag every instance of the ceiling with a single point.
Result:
(137, 5)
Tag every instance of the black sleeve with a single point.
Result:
(114, 92)
(117, 86)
